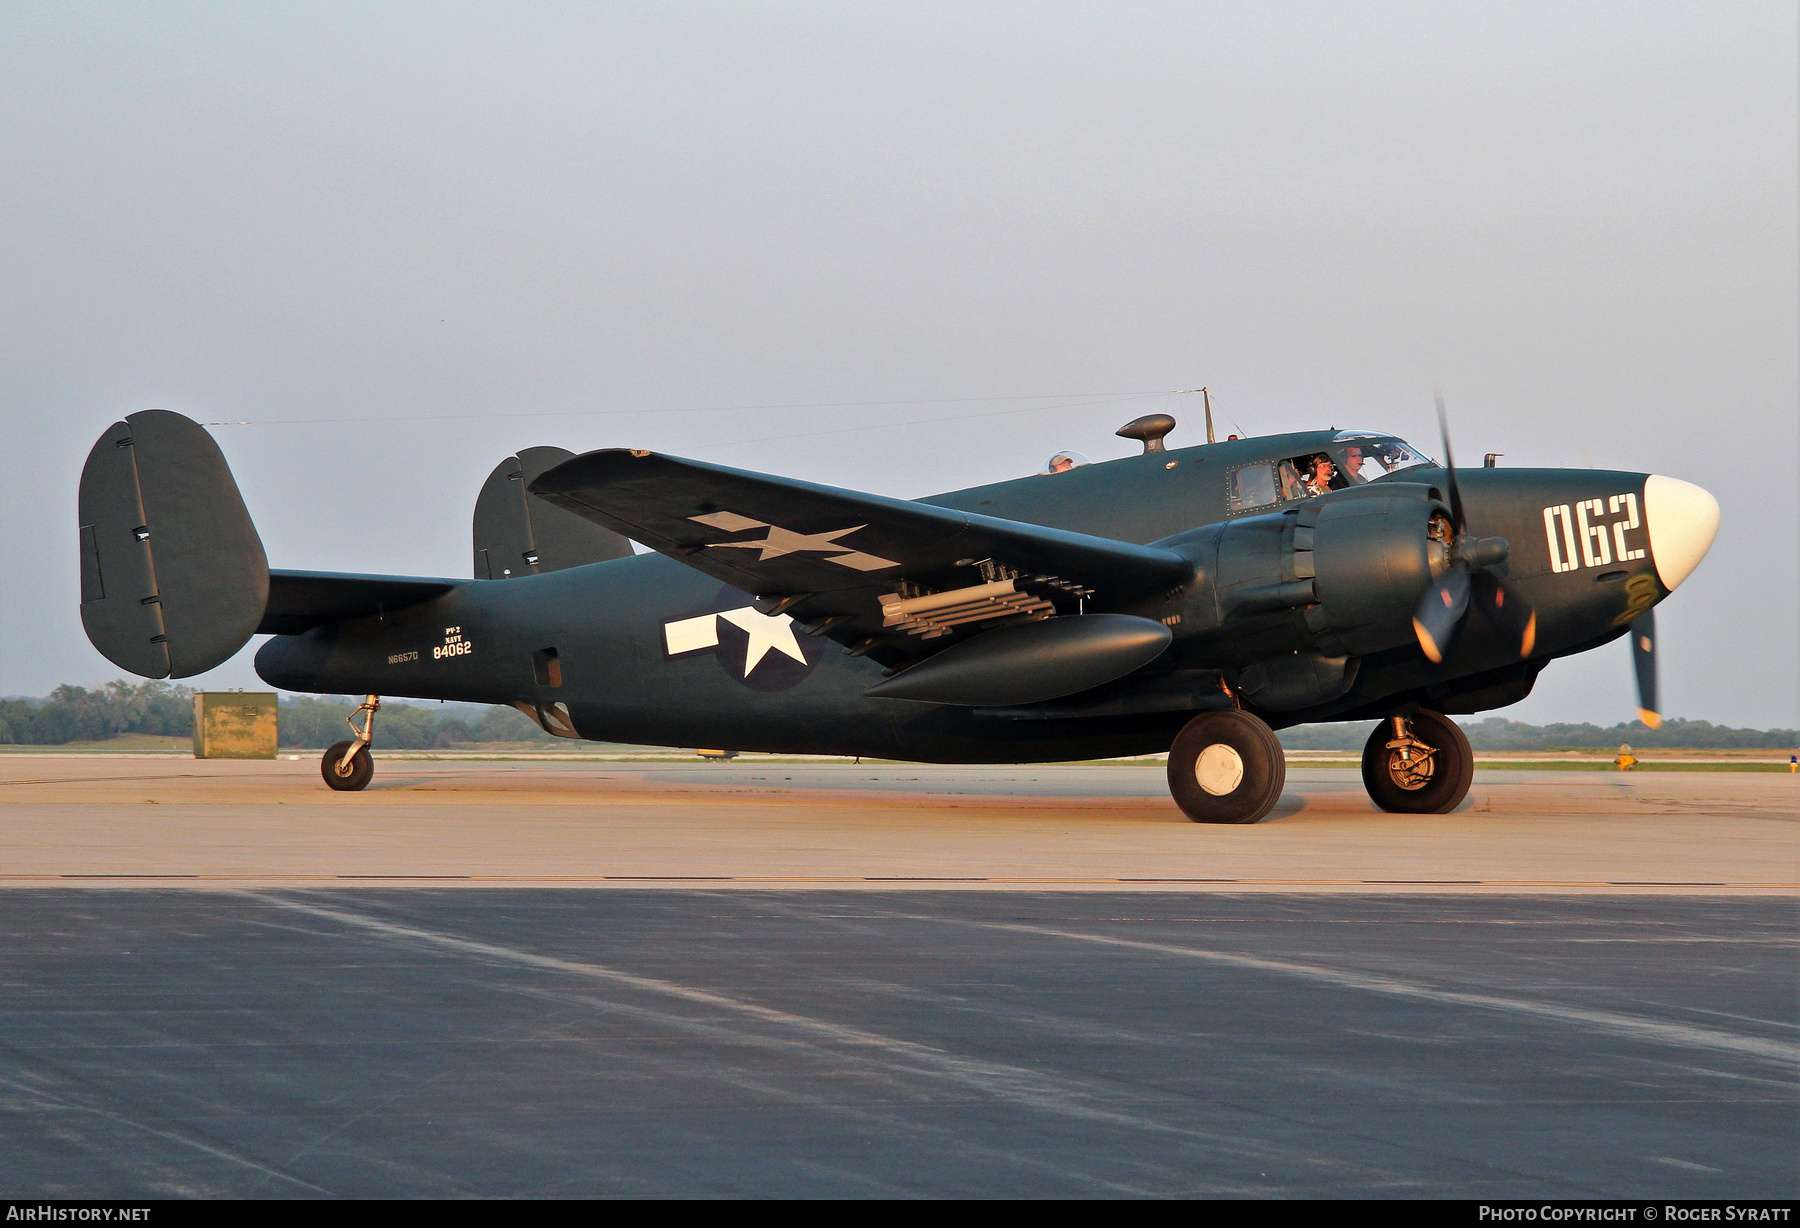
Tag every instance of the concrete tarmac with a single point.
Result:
(497, 980)
(66, 821)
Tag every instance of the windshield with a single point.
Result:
(1363, 456)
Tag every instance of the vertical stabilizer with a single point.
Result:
(519, 534)
(173, 575)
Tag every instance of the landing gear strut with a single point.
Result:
(1226, 767)
(348, 765)
(1418, 764)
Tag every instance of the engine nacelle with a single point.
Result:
(1373, 551)
(1296, 596)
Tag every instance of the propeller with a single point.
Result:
(1469, 579)
(1643, 664)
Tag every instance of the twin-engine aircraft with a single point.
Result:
(1189, 600)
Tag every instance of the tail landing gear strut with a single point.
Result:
(348, 765)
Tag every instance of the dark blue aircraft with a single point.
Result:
(1189, 601)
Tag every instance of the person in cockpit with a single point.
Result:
(1319, 475)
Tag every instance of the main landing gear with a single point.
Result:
(1418, 764)
(348, 765)
(1226, 767)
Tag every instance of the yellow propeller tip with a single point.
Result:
(1530, 639)
(1652, 719)
(1426, 644)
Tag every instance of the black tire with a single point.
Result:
(362, 767)
(1439, 788)
(1239, 781)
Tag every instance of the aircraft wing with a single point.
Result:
(827, 552)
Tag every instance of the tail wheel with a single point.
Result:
(1419, 764)
(356, 776)
(1226, 767)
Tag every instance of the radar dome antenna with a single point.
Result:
(1150, 429)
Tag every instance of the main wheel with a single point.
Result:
(1226, 767)
(1425, 768)
(362, 767)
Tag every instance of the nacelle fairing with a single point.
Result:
(1337, 576)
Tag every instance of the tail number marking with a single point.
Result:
(454, 645)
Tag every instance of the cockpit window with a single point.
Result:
(1252, 486)
(1062, 462)
(1363, 456)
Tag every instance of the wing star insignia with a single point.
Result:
(780, 541)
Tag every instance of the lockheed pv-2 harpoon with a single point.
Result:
(1186, 600)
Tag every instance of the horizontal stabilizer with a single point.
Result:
(302, 600)
(173, 576)
(769, 535)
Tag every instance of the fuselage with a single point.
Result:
(591, 651)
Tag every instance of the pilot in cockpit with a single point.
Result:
(1319, 475)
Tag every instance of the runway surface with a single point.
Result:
(506, 980)
(642, 1043)
(273, 823)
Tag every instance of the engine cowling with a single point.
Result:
(1292, 598)
(1373, 552)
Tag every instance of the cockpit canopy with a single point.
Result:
(1351, 459)
(1064, 461)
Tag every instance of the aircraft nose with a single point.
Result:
(1682, 519)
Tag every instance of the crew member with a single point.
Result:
(1318, 478)
(1626, 759)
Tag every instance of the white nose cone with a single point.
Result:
(1682, 519)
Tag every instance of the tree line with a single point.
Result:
(1498, 733)
(77, 714)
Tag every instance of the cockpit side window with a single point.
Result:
(1287, 473)
(1310, 477)
(1251, 486)
(1351, 459)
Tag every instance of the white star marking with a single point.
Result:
(765, 633)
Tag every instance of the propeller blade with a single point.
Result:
(1643, 663)
(1512, 620)
(1441, 610)
(1456, 504)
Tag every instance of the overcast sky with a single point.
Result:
(832, 241)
